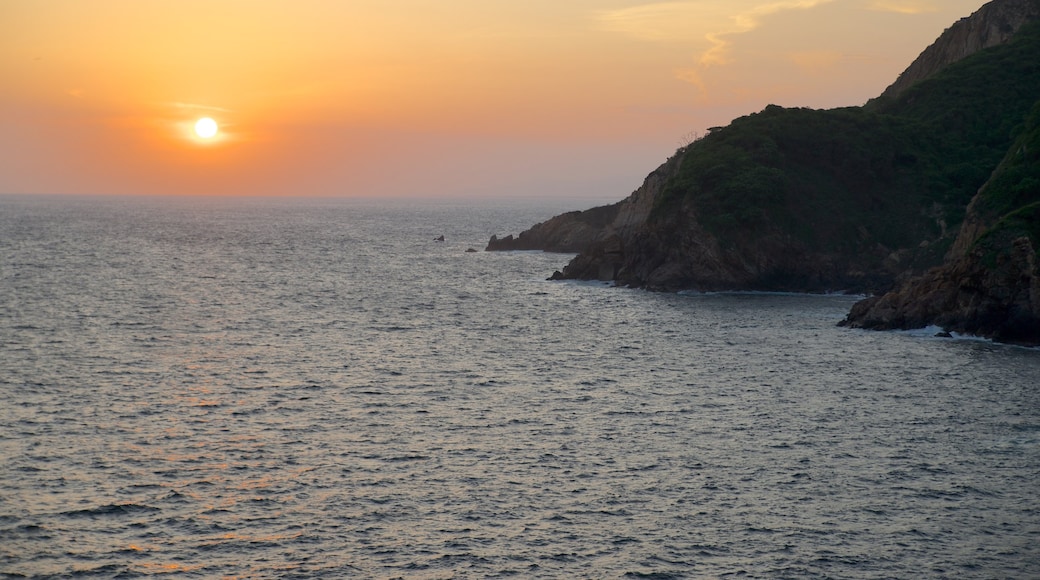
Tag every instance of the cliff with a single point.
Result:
(576, 231)
(992, 25)
(856, 199)
(569, 232)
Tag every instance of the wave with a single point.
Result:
(112, 510)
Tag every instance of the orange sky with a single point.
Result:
(538, 98)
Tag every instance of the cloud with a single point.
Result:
(197, 107)
(665, 21)
(905, 6)
(692, 76)
(708, 22)
(747, 21)
(715, 24)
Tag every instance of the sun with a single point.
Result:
(206, 128)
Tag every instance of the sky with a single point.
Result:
(417, 98)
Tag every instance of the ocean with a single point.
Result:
(281, 388)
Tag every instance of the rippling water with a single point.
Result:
(289, 389)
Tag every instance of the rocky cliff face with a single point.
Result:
(677, 252)
(577, 231)
(569, 232)
(999, 301)
(993, 24)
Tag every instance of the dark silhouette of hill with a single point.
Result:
(855, 199)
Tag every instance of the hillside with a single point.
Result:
(992, 25)
(855, 199)
(990, 284)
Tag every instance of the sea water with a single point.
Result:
(239, 388)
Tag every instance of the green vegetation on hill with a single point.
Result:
(1010, 201)
(1017, 181)
(896, 172)
(988, 287)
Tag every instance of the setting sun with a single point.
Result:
(205, 127)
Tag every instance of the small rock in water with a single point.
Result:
(943, 334)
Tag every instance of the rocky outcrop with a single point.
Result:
(570, 232)
(577, 231)
(993, 24)
(999, 301)
(679, 253)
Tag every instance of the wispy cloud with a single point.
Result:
(709, 28)
(905, 6)
(665, 21)
(689, 21)
(747, 21)
(196, 107)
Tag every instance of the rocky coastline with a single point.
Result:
(908, 198)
